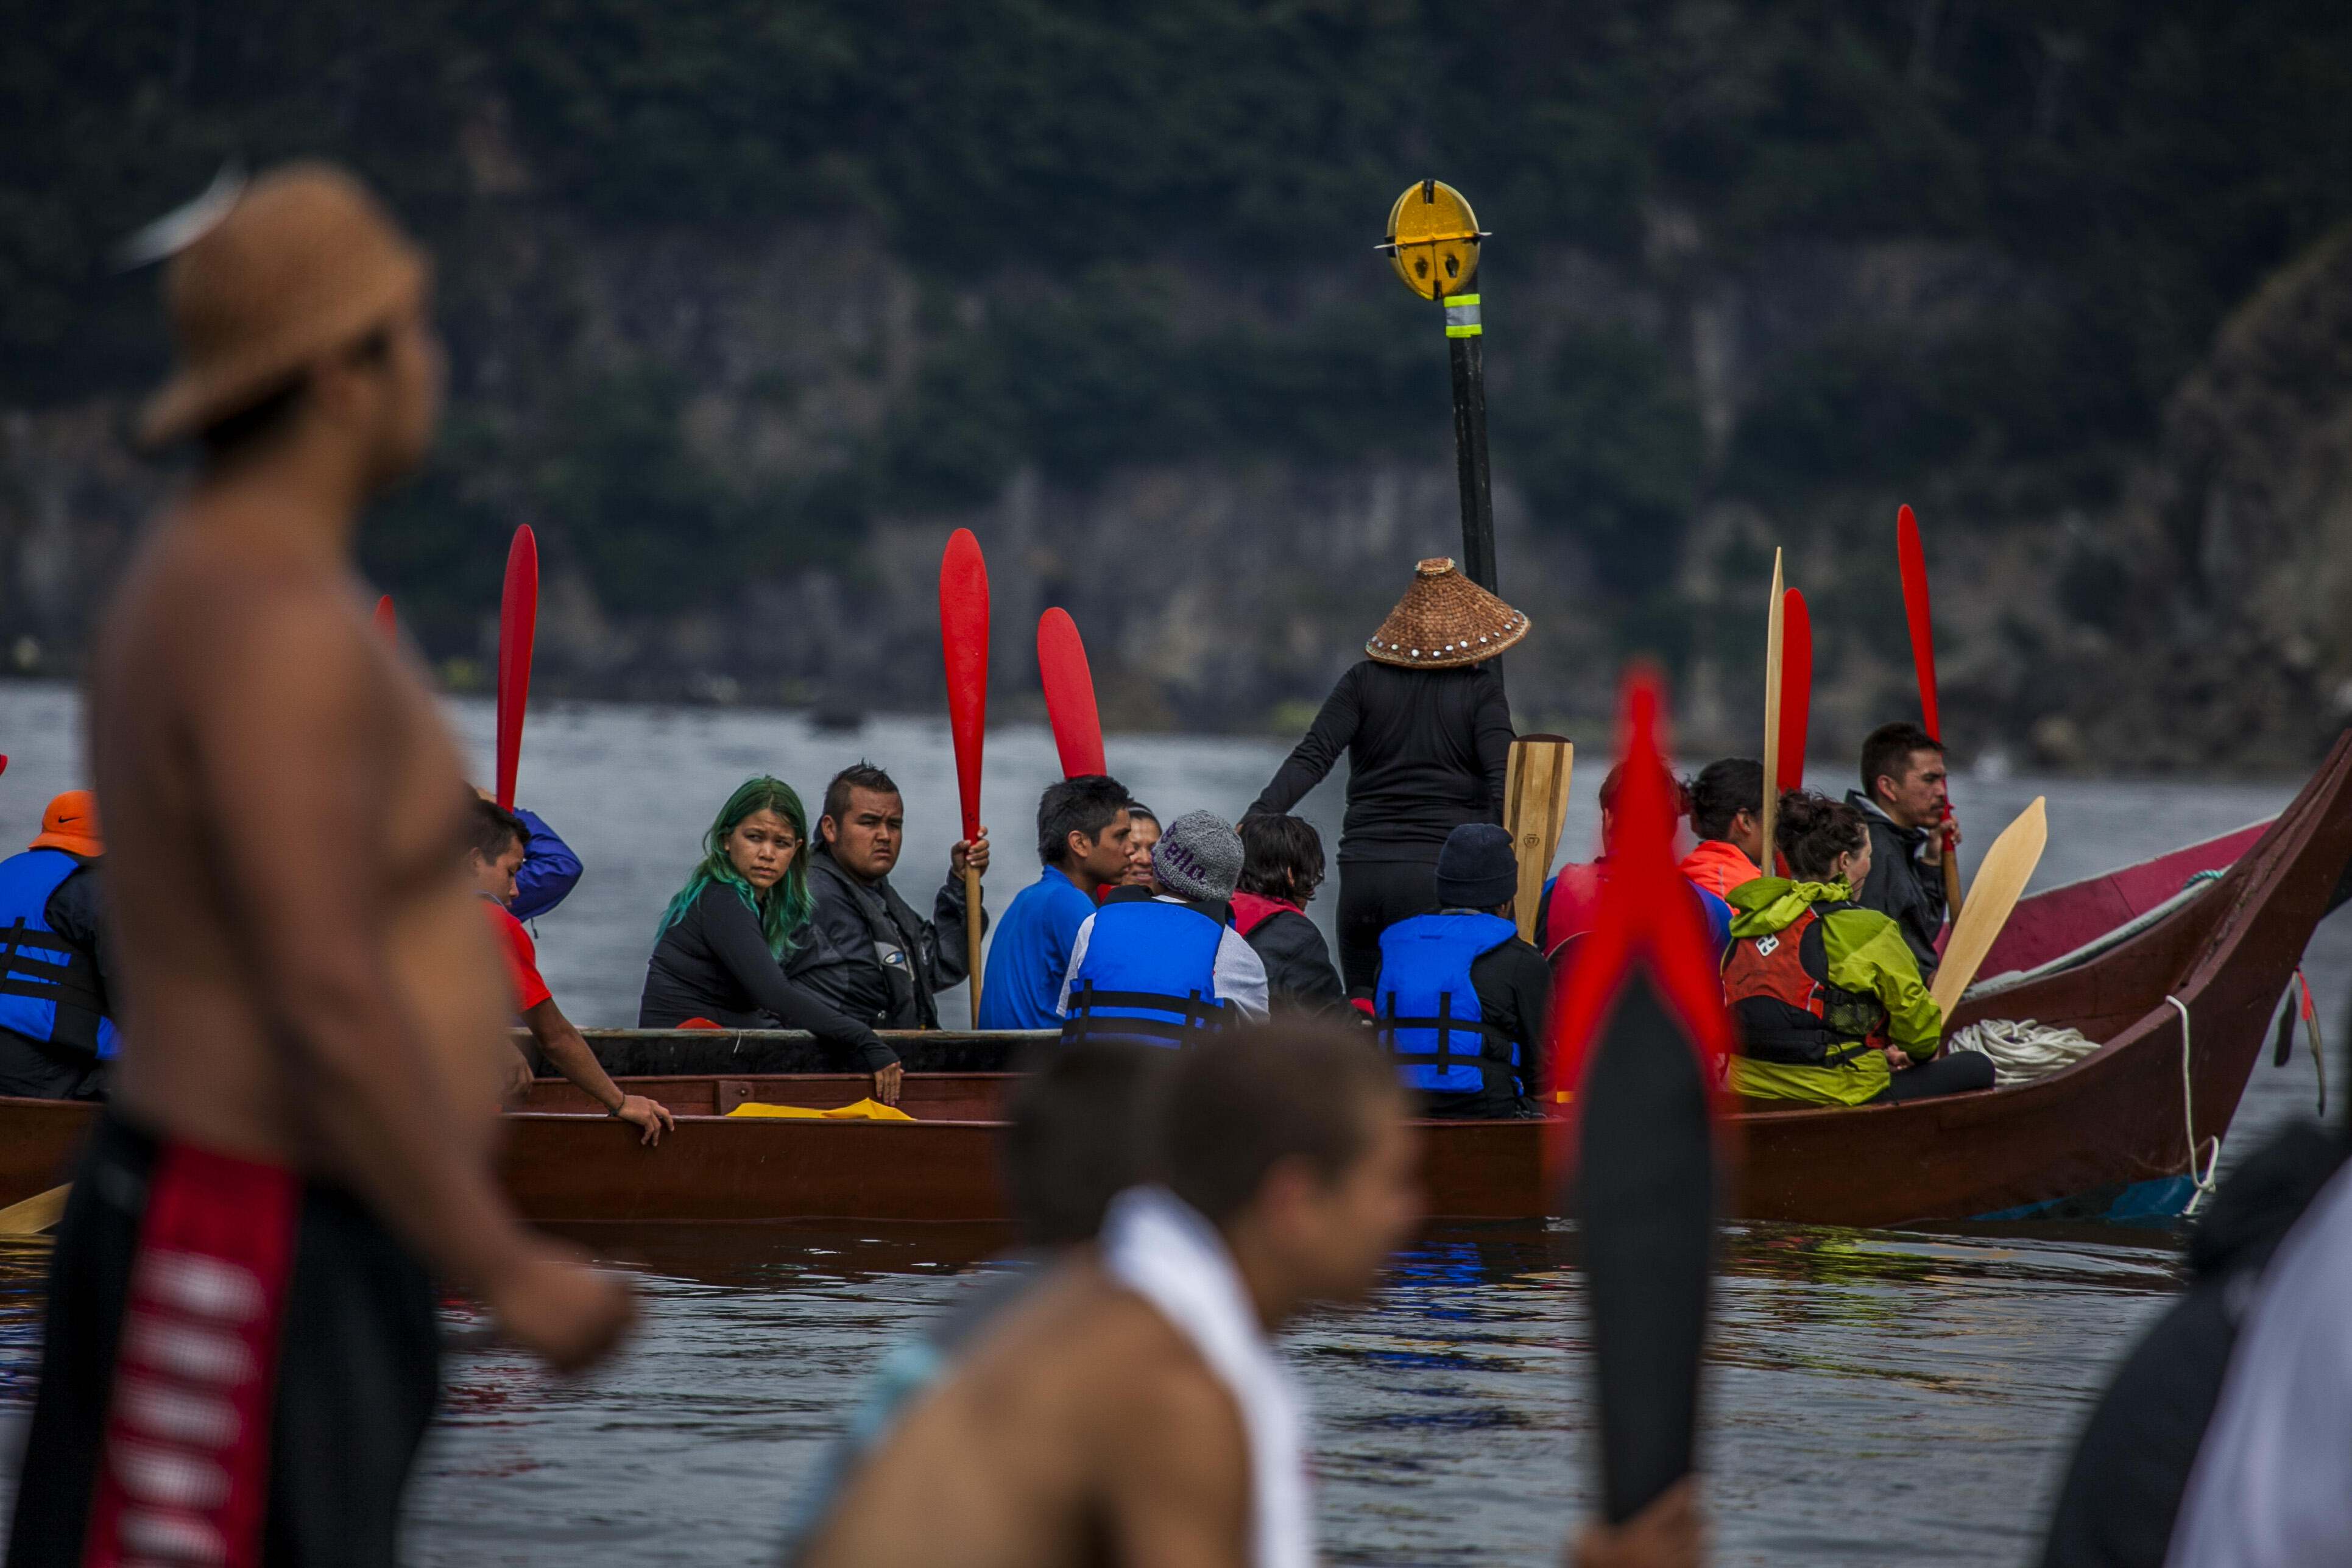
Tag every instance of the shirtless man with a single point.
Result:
(1130, 1410)
(241, 1340)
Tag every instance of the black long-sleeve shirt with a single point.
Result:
(1426, 753)
(714, 964)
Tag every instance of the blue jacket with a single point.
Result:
(52, 984)
(1428, 1010)
(550, 870)
(1030, 954)
(1149, 975)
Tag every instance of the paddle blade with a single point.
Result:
(2001, 876)
(963, 643)
(1796, 687)
(518, 629)
(385, 621)
(1775, 630)
(1535, 809)
(1914, 563)
(1641, 1032)
(1069, 694)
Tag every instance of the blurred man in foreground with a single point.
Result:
(241, 1341)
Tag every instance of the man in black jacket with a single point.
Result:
(1902, 798)
(869, 954)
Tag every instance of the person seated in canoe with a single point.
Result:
(1159, 965)
(869, 954)
(1460, 999)
(1828, 1000)
(1727, 818)
(1902, 799)
(1570, 901)
(1146, 833)
(550, 870)
(718, 957)
(57, 1005)
(1084, 828)
(1077, 1132)
(1427, 731)
(1282, 865)
(496, 853)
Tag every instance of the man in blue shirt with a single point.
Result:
(1083, 828)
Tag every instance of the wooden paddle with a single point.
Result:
(963, 644)
(385, 621)
(36, 1213)
(1796, 689)
(1535, 807)
(2000, 878)
(1913, 561)
(1069, 694)
(1640, 1031)
(518, 629)
(1774, 633)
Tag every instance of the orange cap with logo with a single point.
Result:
(71, 824)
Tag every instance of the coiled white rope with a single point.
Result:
(2203, 1181)
(2024, 1049)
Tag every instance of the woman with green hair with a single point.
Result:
(718, 957)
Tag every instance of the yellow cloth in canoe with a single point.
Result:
(868, 1110)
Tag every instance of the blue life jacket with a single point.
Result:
(1428, 1011)
(49, 990)
(1149, 977)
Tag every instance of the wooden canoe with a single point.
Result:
(2106, 1136)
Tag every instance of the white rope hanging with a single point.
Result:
(2203, 1180)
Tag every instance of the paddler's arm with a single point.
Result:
(1491, 725)
(1174, 1472)
(1870, 955)
(569, 1054)
(733, 932)
(1311, 758)
(290, 752)
(950, 961)
(548, 872)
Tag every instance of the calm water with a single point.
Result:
(1875, 1395)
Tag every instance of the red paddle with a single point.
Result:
(385, 621)
(1069, 694)
(1796, 687)
(1913, 560)
(963, 644)
(518, 626)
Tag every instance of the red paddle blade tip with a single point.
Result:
(1796, 687)
(1912, 559)
(963, 645)
(518, 630)
(1070, 683)
(386, 621)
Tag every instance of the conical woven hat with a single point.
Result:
(307, 262)
(1444, 621)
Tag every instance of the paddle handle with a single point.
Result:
(1952, 881)
(971, 916)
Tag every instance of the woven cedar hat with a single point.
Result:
(1445, 621)
(305, 262)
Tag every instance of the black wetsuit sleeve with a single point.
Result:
(732, 932)
(77, 911)
(1311, 761)
(1514, 986)
(1492, 725)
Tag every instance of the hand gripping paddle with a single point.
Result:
(518, 629)
(1642, 1035)
(1913, 561)
(963, 643)
(1069, 694)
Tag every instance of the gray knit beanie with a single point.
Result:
(1199, 855)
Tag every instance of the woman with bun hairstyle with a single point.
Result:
(1827, 997)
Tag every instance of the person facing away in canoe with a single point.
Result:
(718, 957)
(1158, 965)
(494, 856)
(1727, 818)
(1129, 1408)
(57, 1033)
(1084, 828)
(303, 1113)
(1140, 842)
(868, 955)
(1904, 799)
(1428, 734)
(1571, 901)
(1282, 865)
(1078, 1132)
(1460, 1000)
(1828, 1000)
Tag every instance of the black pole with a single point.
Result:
(1465, 335)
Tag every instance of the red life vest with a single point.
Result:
(1575, 904)
(1778, 986)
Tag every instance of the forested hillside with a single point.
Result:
(748, 303)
